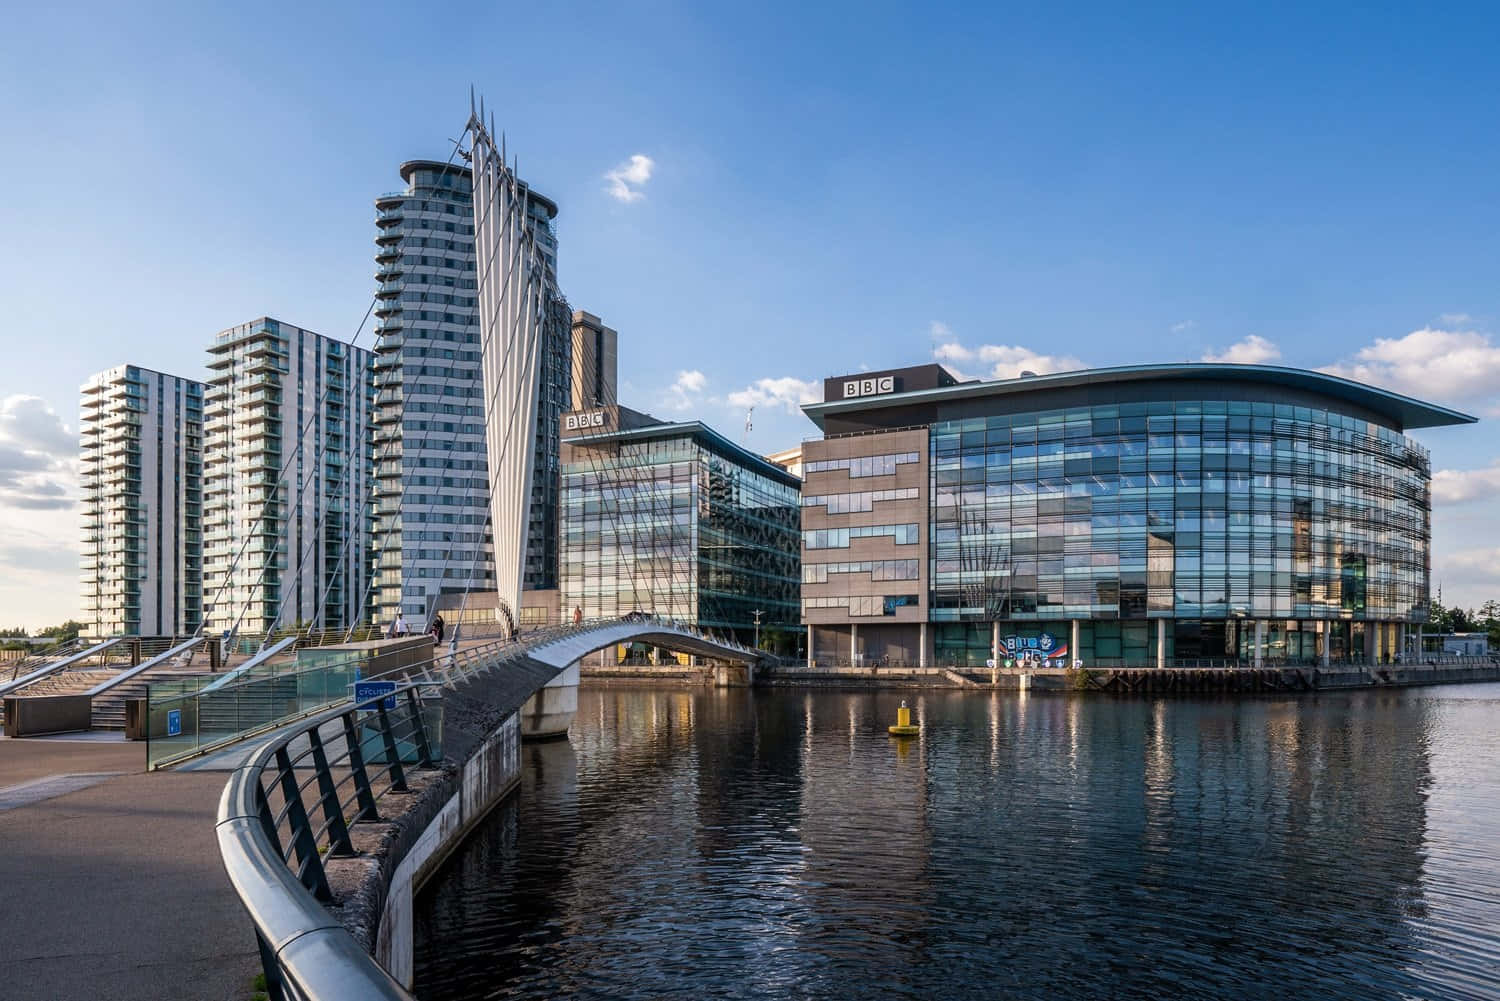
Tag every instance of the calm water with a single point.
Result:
(765, 844)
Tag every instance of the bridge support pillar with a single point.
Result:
(734, 675)
(809, 645)
(548, 714)
(1161, 643)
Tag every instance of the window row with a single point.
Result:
(863, 605)
(859, 501)
(865, 465)
(817, 573)
(838, 538)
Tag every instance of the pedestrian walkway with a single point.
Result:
(114, 889)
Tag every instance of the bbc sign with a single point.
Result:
(869, 387)
(584, 421)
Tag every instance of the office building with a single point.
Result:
(595, 363)
(141, 451)
(432, 507)
(1150, 514)
(286, 528)
(678, 521)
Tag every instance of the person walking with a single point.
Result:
(437, 627)
(401, 630)
(577, 616)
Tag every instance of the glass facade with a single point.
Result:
(1209, 514)
(675, 527)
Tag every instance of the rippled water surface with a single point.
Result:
(778, 844)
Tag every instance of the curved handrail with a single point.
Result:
(306, 952)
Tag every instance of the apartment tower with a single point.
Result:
(431, 528)
(141, 450)
(286, 480)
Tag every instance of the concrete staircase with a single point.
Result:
(107, 710)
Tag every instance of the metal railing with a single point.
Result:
(294, 800)
(291, 806)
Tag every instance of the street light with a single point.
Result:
(757, 613)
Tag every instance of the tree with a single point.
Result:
(14, 632)
(67, 631)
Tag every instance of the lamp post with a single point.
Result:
(757, 613)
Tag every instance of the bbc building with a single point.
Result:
(1205, 514)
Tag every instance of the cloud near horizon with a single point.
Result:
(38, 456)
(1451, 366)
(627, 181)
(687, 390)
(1003, 361)
(1252, 350)
(787, 392)
(1459, 486)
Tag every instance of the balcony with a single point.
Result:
(388, 217)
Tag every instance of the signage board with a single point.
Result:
(583, 421)
(174, 722)
(1036, 649)
(364, 690)
(869, 387)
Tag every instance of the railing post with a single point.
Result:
(362, 792)
(420, 726)
(392, 753)
(309, 862)
(333, 814)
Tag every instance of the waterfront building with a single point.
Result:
(1151, 514)
(431, 525)
(286, 474)
(673, 519)
(141, 458)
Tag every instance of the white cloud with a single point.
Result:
(1003, 361)
(1458, 486)
(939, 331)
(38, 456)
(1448, 365)
(685, 392)
(787, 392)
(1470, 572)
(627, 181)
(1253, 350)
(1183, 327)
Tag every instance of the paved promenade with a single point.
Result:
(111, 883)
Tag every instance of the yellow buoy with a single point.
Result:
(904, 727)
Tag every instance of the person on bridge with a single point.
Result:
(437, 628)
(400, 627)
(577, 616)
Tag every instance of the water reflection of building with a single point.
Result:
(863, 810)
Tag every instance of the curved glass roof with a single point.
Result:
(1403, 411)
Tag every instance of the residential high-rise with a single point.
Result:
(595, 362)
(141, 448)
(431, 531)
(286, 528)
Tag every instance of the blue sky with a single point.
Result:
(860, 185)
